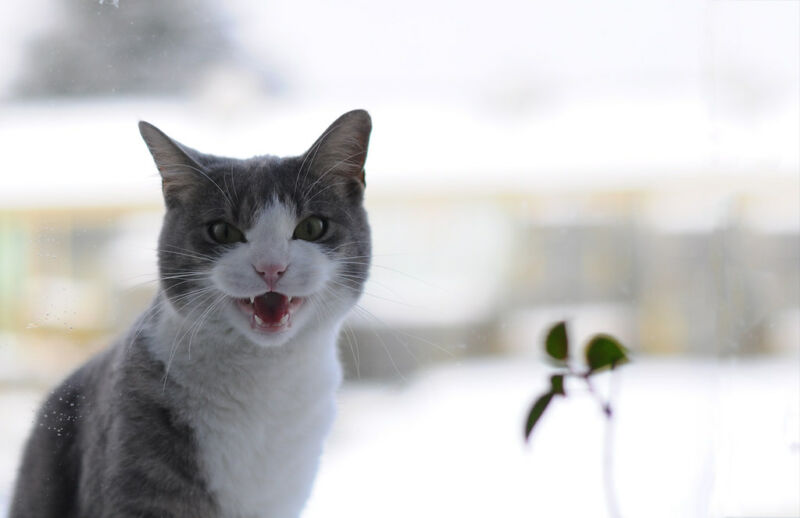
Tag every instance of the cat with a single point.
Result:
(217, 402)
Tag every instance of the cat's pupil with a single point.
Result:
(310, 229)
(222, 232)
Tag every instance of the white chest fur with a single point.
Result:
(261, 421)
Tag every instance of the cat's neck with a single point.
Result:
(259, 414)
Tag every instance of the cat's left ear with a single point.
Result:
(176, 163)
(342, 149)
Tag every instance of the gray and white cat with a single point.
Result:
(218, 400)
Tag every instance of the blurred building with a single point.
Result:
(632, 168)
(697, 265)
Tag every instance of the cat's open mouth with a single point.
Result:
(271, 311)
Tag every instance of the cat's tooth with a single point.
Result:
(252, 300)
(258, 320)
(284, 319)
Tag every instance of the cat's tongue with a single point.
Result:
(271, 307)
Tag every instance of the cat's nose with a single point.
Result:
(271, 272)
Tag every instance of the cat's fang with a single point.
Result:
(271, 312)
(245, 306)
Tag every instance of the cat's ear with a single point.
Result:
(174, 161)
(342, 149)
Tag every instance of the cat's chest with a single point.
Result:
(260, 432)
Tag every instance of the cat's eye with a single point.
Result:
(310, 229)
(225, 233)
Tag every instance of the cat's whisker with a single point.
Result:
(187, 250)
(186, 299)
(313, 151)
(315, 147)
(319, 310)
(176, 340)
(369, 294)
(233, 182)
(364, 311)
(341, 162)
(143, 319)
(160, 303)
(199, 277)
(361, 278)
(155, 308)
(368, 313)
(205, 175)
(204, 317)
(398, 272)
(370, 256)
(319, 192)
(182, 297)
(342, 245)
(191, 256)
(353, 344)
(344, 161)
(380, 340)
(157, 280)
(182, 273)
(358, 309)
(184, 279)
(351, 256)
(225, 183)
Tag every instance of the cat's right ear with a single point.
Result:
(174, 162)
(342, 149)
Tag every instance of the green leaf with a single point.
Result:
(557, 384)
(604, 351)
(556, 344)
(536, 412)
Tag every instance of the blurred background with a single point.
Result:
(632, 167)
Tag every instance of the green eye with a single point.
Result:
(224, 233)
(310, 229)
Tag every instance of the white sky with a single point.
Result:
(473, 50)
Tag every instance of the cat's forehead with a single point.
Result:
(249, 188)
(262, 179)
(246, 188)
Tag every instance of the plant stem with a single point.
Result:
(608, 437)
(604, 405)
(608, 453)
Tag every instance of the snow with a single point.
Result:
(693, 438)
(90, 153)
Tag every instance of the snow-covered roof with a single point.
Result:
(90, 153)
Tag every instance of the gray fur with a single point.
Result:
(114, 440)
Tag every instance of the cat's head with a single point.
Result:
(265, 246)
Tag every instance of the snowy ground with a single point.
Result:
(693, 438)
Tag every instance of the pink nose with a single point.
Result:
(271, 273)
